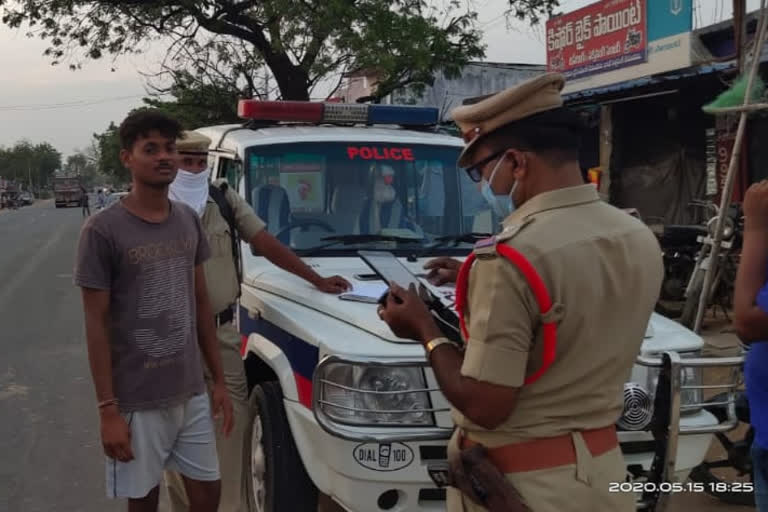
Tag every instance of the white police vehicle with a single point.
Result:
(339, 403)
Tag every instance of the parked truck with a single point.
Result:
(66, 191)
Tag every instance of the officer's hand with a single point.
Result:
(333, 284)
(406, 314)
(756, 206)
(442, 270)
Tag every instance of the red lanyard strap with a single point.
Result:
(540, 293)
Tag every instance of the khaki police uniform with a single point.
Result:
(223, 289)
(603, 271)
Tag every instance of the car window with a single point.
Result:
(308, 191)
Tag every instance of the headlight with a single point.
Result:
(691, 377)
(688, 377)
(374, 395)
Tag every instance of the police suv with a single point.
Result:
(342, 406)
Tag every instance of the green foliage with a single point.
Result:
(734, 95)
(301, 42)
(108, 154)
(25, 162)
(193, 105)
(197, 104)
(534, 11)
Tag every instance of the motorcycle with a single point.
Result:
(679, 248)
(721, 288)
(737, 456)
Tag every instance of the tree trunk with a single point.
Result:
(292, 80)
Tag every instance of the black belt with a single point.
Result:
(225, 316)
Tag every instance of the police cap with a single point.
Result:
(512, 105)
(193, 143)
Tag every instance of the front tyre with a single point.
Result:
(276, 479)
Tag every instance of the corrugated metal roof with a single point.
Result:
(704, 69)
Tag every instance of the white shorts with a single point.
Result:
(180, 439)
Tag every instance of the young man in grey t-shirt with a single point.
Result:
(148, 318)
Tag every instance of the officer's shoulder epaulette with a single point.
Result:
(513, 230)
(487, 246)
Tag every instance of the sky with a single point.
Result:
(44, 103)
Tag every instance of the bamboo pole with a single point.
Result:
(744, 108)
(733, 165)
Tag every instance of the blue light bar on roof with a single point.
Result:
(402, 115)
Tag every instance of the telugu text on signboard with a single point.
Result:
(601, 37)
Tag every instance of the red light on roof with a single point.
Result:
(301, 111)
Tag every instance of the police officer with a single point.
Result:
(547, 423)
(192, 187)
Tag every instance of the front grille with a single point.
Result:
(437, 452)
(634, 447)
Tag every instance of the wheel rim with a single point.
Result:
(258, 466)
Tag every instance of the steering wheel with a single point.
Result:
(304, 223)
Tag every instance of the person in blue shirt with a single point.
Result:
(751, 322)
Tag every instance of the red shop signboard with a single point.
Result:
(601, 37)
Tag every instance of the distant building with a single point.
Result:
(477, 79)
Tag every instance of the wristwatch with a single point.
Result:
(431, 345)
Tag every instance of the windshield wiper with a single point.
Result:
(357, 239)
(454, 240)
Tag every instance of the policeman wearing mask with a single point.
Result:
(554, 310)
(192, 187)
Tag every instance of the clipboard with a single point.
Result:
(389, 268)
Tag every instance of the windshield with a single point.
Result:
(309, 191)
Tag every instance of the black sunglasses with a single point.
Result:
(475, 172)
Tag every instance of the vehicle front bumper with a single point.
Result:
(332, 464)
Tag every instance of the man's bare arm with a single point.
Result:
(209, 346)
(276, 252)
(497, 402)
(115, 432)
(750, 321)
(206, 327)
(96, 306)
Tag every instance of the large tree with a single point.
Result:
(193, 104)
(532, 10)
(107, 145)
(31, 164)
(301, 42)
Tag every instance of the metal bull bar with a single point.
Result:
(665, 424)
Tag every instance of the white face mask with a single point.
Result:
(191, 189)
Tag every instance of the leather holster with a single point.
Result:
(473, 473)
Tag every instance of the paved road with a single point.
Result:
(50, 457)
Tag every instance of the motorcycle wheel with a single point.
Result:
(703, 473)
(734, 457)
(669, 309)
(688, 316)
